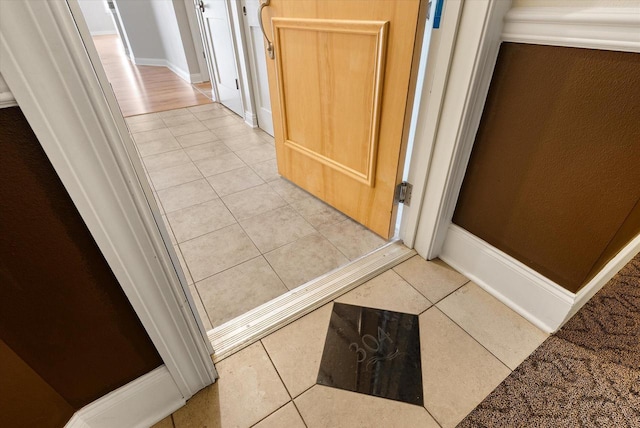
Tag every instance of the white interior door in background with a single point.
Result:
(215, 16)
(257, 62)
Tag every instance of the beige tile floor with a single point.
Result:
(469, 343)
(243, 234)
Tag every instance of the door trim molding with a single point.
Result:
(79, 125)
(608, 28)
(138, 404)
(275, 314)
(474, 56)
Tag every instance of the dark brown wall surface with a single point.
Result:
(554, 176)
(26, 400)
(62, 310)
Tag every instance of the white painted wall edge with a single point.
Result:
(140, 403)
(609, 28)
(6, 97)
(538, 299)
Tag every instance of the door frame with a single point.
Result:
(85, 137)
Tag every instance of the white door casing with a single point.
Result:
(257, 65)
(76, 119)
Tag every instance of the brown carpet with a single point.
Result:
(585, 375)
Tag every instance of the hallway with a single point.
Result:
(142, 89)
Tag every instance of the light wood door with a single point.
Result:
(258, 64)
(216, 20)
(340, 85)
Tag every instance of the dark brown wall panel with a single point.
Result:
(26, 400)
(554, 173)
(62, 310)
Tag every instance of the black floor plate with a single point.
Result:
(373, 352)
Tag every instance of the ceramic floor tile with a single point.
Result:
(434, 279)
(234, 181)
(207, 150)
(200, 308)
(285, 417)
(239, 289)
(165, 423)
(244, 141)
(233, 130)
(183, 265)
(210, 114)
(224, 121)
(205, 107)
(289, 191)
(305, 259)
(182, 119)
(257, 154)
(506, 334)
(253, 201)
(156, 134)
(160, 145)
(197, 220)
(353, 239)
(197, 138)
(186, 195)
(219, 164)
(389, 292)
(276, 228)
(165, 160)
(267, 170)
(146, 126)
(317, 213)
(175, 112)
(142, 118)
(217, 251)
(174, 176)
(457, 372)
(324, 407)
(296, 349)
(169, 231)
(187, 128)
(248, 390)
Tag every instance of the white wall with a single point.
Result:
(142, 32)
(98, 17)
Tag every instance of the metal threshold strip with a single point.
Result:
(251, 326)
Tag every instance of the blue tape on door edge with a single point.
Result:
(438, 13)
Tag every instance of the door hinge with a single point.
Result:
(237, 86)
(403, 193)
(244, 10)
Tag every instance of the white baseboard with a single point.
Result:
(609, 270)
(250, 119)
(538, 299)
(103, 33)
(140, 403)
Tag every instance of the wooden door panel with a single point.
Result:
(339, 89)
(328, 115)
